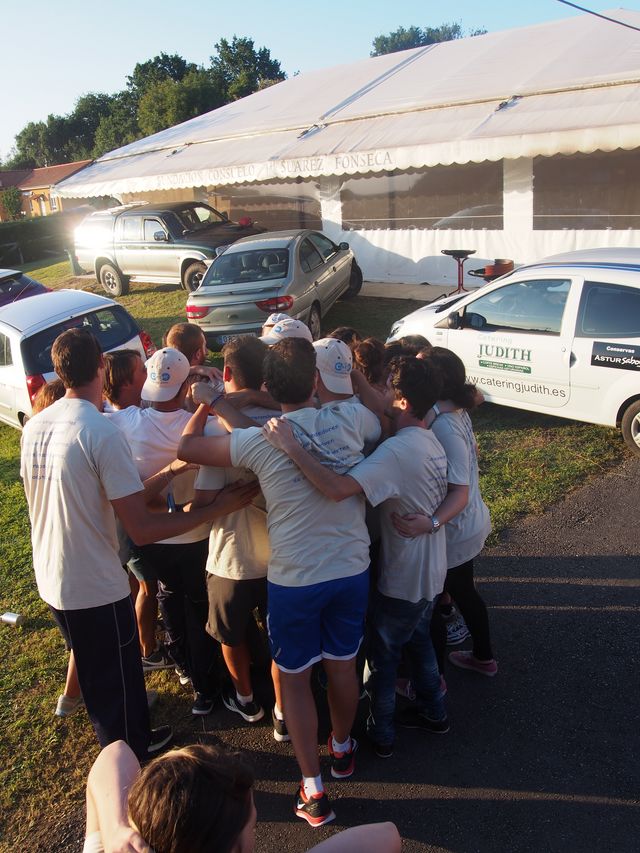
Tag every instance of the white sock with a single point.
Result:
(244, 700)
(341, 747)
(278, 712)
(312, 785)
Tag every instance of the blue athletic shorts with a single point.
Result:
(323, 620)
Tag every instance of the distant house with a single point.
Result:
(36, 188)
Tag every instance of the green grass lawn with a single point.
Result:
(528, 462)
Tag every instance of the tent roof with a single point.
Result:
(553, 88)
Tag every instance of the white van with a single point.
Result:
(561, 336)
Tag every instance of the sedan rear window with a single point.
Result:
(112, 326)
(255, 265)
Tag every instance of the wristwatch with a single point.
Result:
(436, 525)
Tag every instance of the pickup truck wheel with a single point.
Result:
(193, 276)
(112, 281)
(355, 282)
(631, 427)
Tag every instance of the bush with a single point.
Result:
(35, 239)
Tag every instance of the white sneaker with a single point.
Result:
(68, 705)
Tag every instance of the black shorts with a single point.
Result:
(231, 606)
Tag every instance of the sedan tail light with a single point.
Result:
(147, 344)
(198, 312)
(277, 303)
(34, 383)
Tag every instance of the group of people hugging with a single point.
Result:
(324, 491)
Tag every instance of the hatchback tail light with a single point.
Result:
(147, 344)
(198, 312)
(34, 383)
(277, 303)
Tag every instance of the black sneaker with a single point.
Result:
(158, 659)
(413, 719)
(202, 705)
(316, 809)
(342, 763)
(280, 732)
(382, 750)
(160, 738)
(183, 676)
(251, 712)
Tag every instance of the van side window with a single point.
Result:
(5, 351)
(528, 306)
(608, 311)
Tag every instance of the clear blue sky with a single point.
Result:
(53, 52)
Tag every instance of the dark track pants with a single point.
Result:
(107, 652)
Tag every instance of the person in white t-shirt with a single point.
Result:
(407, 473)
(238, 546)
(317, 573)
(153, 435)
(77, 471)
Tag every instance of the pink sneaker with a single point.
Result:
(466, 660)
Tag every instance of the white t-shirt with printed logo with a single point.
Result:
(407, 474)
(238, 543)
(313, 539)
(74, 462)
(153, 437)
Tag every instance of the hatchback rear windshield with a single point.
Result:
(256, 265)
(112, 326)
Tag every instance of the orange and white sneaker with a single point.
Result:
(316, 809)
(342, 763)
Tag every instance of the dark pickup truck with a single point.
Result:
(162, 243)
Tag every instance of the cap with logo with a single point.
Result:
(287, 329)
(334, 362)
(273, 319)
(166, 371)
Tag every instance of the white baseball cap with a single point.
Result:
(334, 362)
(273, 319)
(288, 328)
(167, 369)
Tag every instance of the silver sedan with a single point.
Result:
(301, 273)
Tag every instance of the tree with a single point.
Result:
(170, 102)
(402, 39)
(83, 124)
(165, 66)
(11, 203)
(242, 70)
(119, 127)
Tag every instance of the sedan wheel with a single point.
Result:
(313, 322)
(631, 427)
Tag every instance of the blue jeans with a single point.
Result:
(394, 624)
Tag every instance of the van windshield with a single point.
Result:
(112, 326)
(255, 265)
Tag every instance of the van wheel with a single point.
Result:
(355, 282)
(112, 281)
(313, 322)
(631, 427)
(193, 275)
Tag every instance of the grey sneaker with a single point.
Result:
(280, 732)
(251, 712)
(158, 659)
(68, 705)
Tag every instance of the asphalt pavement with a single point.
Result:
(543, 757)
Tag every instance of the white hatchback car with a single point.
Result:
(28, 329)
(561, 336)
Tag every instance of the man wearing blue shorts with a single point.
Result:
(317, 573)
